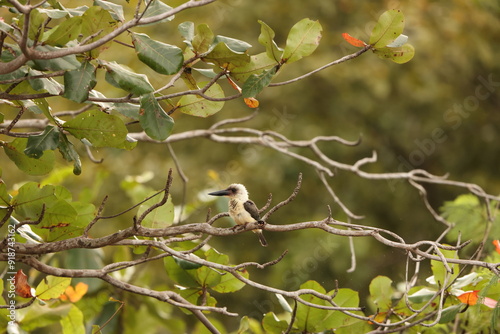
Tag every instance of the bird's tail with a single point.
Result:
(262, 239)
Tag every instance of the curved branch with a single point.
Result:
(336, 62)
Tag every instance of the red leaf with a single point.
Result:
(497, 245)
(23, 289)
(353, 41)
(469, 297)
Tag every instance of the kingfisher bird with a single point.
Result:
(241, 208)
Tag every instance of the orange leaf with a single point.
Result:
(469, 297)
(497, 245)
(379, 317)
(251, 102)
(23, 289)
(353, 41)
(76, 293)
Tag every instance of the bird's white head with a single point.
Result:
(235, 190)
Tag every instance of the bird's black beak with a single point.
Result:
(224, 192)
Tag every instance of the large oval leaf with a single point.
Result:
(154, 120)
(100, 129)
(198, 106)
(78, 83)
(31, 166)
(399, 55)
(127, 80)
(389, 26)
(163, 58)
(266, 38)
(302, 40)
(47, 140)
(256, 83)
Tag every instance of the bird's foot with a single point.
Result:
(239, 227)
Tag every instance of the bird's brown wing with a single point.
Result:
(251, 208)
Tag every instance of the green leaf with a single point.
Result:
(4, 200)
(44, 84)
(79, 82)
(449, 313)
(97, 22)
(186, 29)
(4, 27)
(310, 319)
(57, 64)
(31, 198)
(69, 153)
(235, 45)
(208, 277)
(64, 220)
(128, 109)
(65, 32)
(36, 22)
(198, 106)
(73, 322)
(178, 274)
(153, 119)
(15, 151)
(302, 40)
(225, 57)
(272, 325)
(47, 140)
(399, 55)
(202, 39)
(258, 63)
(343, 298)
(115, 10)
(266, 39)
(389, 26)
(256, 83)
(157, 8)
(421, 296)
(185, 264)
(38, 106)
(38, 316)
(99, 128)
(381, 292)
(127, 80)
(52, 287)
(468, 216)
(440, 272)
(163, 58)
(58, 215)
(228, 283)
(53, 13)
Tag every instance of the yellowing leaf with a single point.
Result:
(52, 287)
